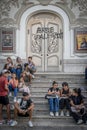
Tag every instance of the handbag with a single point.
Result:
(47, 96)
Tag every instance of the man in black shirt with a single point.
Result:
(77, 107)
(24, 107)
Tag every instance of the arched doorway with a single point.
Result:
(44, 41)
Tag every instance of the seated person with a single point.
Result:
(19, 67)
(24, 108)
(11, 66)
(77, 107)
(31, 66)
(54, 102)
(64, 101)
(27, 73)
(22, 87)
(13, 86)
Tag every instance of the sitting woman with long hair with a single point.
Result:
(54, 101)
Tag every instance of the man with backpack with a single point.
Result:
(24, 108)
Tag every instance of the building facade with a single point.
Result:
(51, 31)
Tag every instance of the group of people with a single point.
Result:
(72, 101)
(13, 77)
(18, 74)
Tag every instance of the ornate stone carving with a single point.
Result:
(5, 6)
(36, 44)
(44, 2)
(52, 44)
(82, 6)
(26, 2)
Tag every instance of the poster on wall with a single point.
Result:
(81, 40)
(7, 39)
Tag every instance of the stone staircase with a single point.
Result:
(41, 118)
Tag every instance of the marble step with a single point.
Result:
(43, 126)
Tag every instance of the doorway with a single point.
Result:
(45, 42)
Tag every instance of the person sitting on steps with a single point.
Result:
(64, 100)
(77, 107)
(54, 102)
(24, 108)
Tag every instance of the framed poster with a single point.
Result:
(7, 39)
(81, 40)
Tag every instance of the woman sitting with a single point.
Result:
(64, 100)
(54, 101)
(13, 86)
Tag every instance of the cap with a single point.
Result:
(25, 94)
(5, 71)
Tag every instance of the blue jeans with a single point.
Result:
(18, 73)
(12, 70)
(13, 89)
(53, 104)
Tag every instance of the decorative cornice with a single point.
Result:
(8, 22)
(80, 22)
(61, 2)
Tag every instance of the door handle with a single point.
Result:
(41, 54)
(47, 55)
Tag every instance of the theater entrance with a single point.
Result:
(45, 41)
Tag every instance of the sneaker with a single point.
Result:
(33, 76)
(10, 94)
(15, 99)
(80, 121)
(51, 114)
(56, 114)
(30, 124)
(62, 113)
(67, 113)
(12, 107)
(9, 122)
(14, 123)
(2, 122)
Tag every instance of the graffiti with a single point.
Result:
(46, 33)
